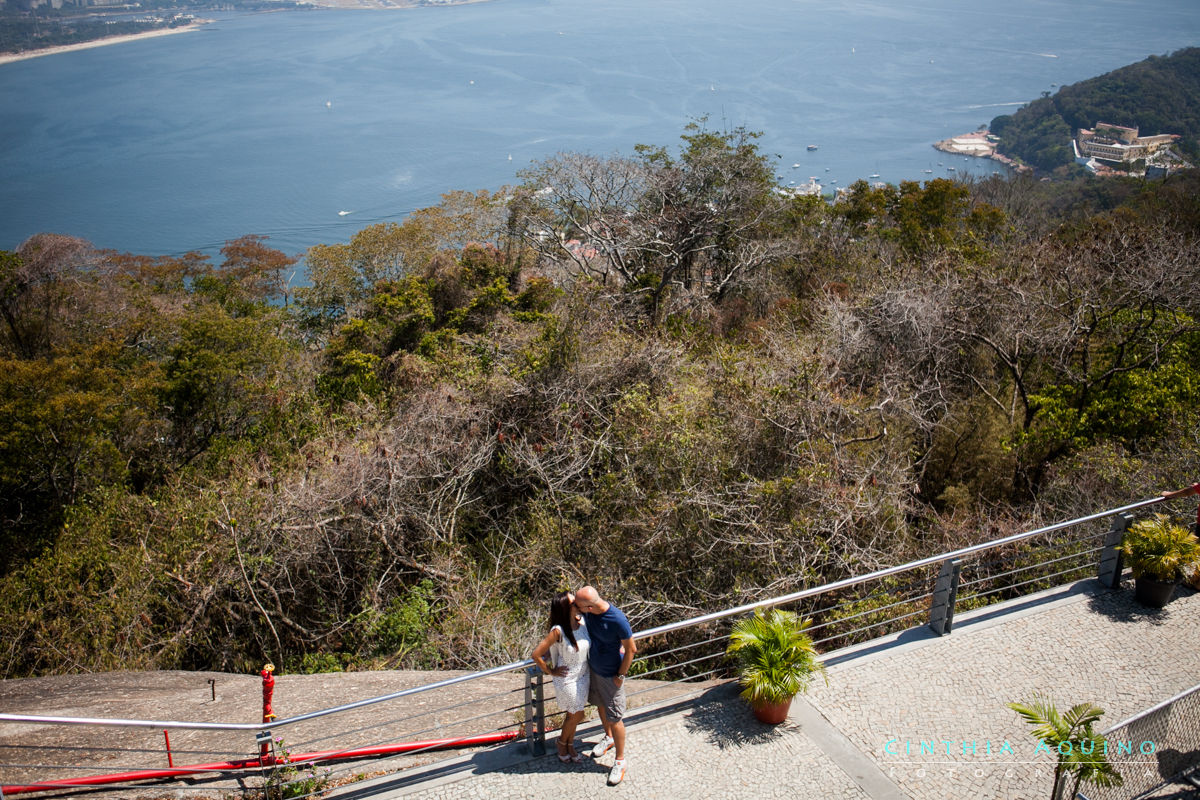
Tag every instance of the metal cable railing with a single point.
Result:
(675, 661)
(1157, 747)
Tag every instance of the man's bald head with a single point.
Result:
(588, 600)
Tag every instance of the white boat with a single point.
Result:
(795, 166)
(873, 175)
(344, 213)
(811, 147)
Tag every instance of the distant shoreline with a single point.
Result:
(9, 58)
(386, 5)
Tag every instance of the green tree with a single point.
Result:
(222, 378)
(250, 275)
(38, 300)
(667, 230)
(344, 276)
(72, 424)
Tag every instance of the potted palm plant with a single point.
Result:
(776, 660)
(1158, 550)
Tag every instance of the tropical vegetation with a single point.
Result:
(657, 373)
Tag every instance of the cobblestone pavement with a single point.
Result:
(913, 716)
(951, 693)
(714, 749)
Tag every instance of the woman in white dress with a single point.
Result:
(566, 645)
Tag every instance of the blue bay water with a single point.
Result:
(273, 123)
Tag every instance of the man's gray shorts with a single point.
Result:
(603, 692)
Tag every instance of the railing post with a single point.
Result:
(1111, 562)
(945, 593)
(535, 712)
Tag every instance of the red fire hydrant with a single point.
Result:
(268, 687)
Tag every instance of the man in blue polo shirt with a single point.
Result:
(609, 659)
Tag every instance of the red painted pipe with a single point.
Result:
(251, 763)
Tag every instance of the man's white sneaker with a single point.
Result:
(617, 773)
(603, 746)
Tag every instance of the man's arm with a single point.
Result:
(627, 662)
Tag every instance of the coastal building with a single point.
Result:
(1118, 143)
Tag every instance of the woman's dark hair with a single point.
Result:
(560, 615)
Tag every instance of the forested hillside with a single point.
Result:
(655, 372)
(1158, 95)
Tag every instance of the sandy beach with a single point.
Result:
(8, 58)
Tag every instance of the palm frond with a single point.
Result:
(1086, 755)
(1082, 715)
(776, 658)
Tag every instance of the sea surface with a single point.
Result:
(276, 124)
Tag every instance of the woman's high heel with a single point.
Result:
(564, 751)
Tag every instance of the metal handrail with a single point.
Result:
(883, 573)
(258, 726)
(646, 634)
(1152, 710)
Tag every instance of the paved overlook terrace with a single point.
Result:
(910, 714)
(848, 739)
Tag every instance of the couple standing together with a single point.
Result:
(591, 646)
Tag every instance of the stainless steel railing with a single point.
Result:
(1155, 748)
(689, 651)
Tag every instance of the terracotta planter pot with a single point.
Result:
(772, 713)
(1153, 593)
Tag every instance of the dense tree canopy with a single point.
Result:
(656, 373)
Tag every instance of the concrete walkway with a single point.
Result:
(910, 716)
